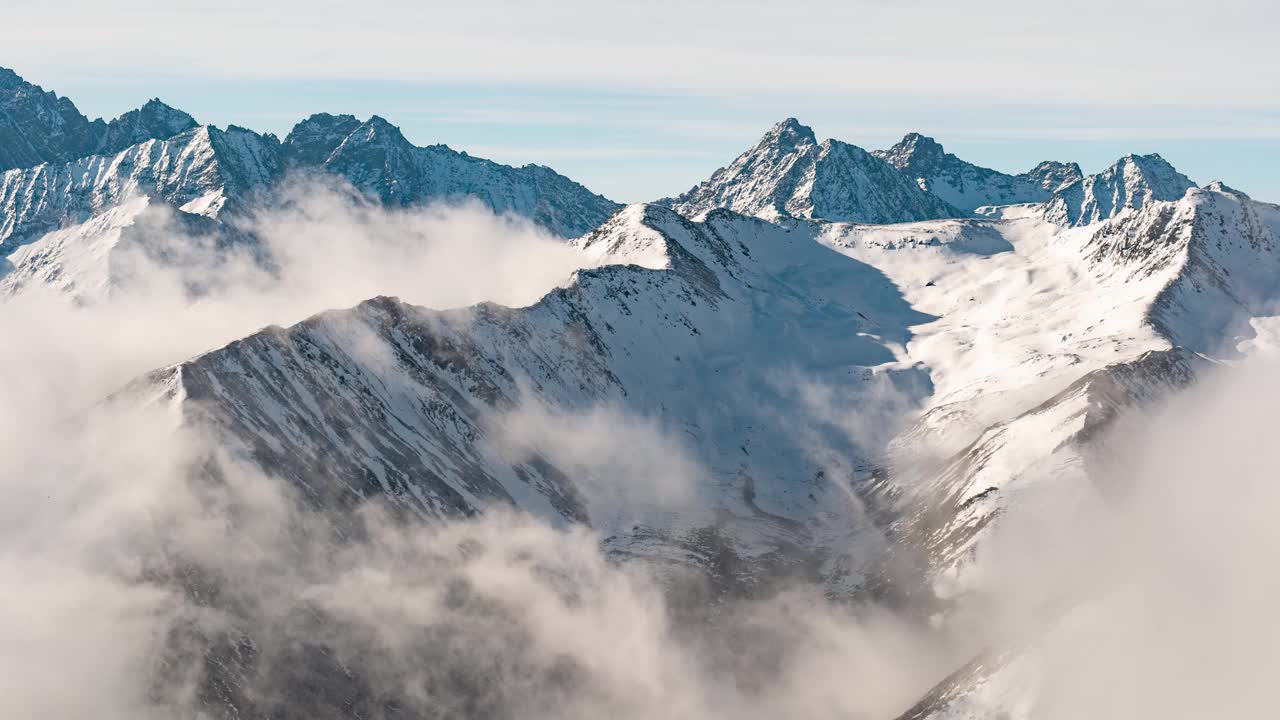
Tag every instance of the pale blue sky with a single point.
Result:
(641, 100)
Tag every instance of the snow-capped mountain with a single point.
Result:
(201, 170)
(198, 171)
(1132, 182)
(62, 171)
(112, 250)
(75, 186)
(75, 260)
(966, 186)
(1053, 176)
(376, 158)
(706, 329)
(790, 174)
(39, 127)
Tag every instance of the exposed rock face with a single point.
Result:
(1132, 182)
(39, 127)
(966, 186)
(1053, 176)
(789, 174)
(377, 159)
(198, 171)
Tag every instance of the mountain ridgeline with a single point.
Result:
(61, 168)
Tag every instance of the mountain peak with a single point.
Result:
(1157, 172)
(790, 133)
(1220, 187)
(154, 120)
(962, 184)
(155, 107)
(9, 78)
(1131, 182)
(920, 154)
(1053, 176)
(922, 144)
(1139, 159)
(38, 126)
(789, 174)
(314, 139)
(379, 130)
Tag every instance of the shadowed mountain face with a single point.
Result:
(377, 159)
(39, 127)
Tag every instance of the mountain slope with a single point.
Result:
(707, 339)
(119, 249)
(790, 174)
(1207, 264)
(954, 509)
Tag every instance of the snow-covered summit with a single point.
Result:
(1053, 175)
(313, 140)
(789, 174)
(788, 135)
(1132, 182)
(154, 120)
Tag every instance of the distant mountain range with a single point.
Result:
(62, 168)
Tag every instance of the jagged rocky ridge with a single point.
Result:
(66, 169)
(198, 171)
(1131, 183)
(377, 159)
(39, 127)
(966, 186)
(790, 174)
